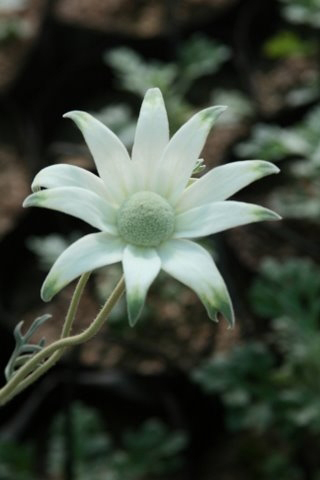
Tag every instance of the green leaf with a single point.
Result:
(24, 350)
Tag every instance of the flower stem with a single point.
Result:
(72, 310)
(55, 350)
(74, 304)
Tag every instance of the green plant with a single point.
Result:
(280, 465)
(304, 94)
(12, 26)
(150, 450)
(91, 445)
(308, 131)
(15, 461)
(136, 75)
(290, 294)
(120, 120)
(243, 379)
(272, 387)
(49, 247)
(198, 57)
(288, 43)
(272, 142)
(290, 289)
(239, 105)
(302, 11)
(299, 198)
(12, 5)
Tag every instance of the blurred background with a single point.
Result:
(177, 397)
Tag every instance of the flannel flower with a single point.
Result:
(147, 208)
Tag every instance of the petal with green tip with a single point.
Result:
(218, 216)
(110, 155)
(182, 153)
(80, 203)
(91, 251)
(193, 266)
(141, 266)
(64, 175)
(152, 133)
(224, 181)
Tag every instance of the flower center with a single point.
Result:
(145, 219)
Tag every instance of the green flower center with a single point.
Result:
(145, 219)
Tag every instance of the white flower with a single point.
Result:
(145, 207)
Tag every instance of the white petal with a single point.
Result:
(152, 133)
(192, 265)
(110, 155)
(90, 252)
(222, 182)
(182, 153)
(218, 216)
(78, 202)
(63, 175)
(141, 266)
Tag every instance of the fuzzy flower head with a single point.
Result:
(146, 208)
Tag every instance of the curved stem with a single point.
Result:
(74, 304)
(13, 386)
(72, 310)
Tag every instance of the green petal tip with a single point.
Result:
(266, 214)
(46, 296)
(210, 115)
(135, 306)
(266, 168)
(153, 96)
(25, 203)
(35, 187)
(219, 304)
(227, 311)
(48, 290)
(32, 200)
(80, 118)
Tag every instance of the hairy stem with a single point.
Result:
(53, 352)
(44, 367)
(74, 304)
